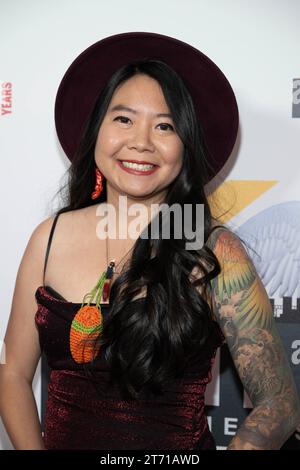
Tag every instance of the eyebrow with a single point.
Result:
(121, 107)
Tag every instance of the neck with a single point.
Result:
(122, 204)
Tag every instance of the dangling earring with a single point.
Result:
(98, 185)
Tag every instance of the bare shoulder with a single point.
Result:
(232, 254)
(21, 339)
(67, 225)
(238, 291)
(71, 223)
(221, 236)
(41, 232)
(30, 272)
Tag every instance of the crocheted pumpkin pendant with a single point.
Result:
(85, 329)
(88, 322)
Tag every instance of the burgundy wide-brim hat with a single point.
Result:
(212, 94)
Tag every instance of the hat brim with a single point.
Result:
(213, 97)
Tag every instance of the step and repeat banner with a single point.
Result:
(257, 193)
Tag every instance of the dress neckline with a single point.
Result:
(44, 290)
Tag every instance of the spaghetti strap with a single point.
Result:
(49, 244)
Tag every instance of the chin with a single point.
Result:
(136, 194)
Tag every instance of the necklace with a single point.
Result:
(88, 321)
(111, 270)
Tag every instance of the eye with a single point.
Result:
(168, 126)
(124, 119)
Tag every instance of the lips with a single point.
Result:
(135, 171)
(139, 162)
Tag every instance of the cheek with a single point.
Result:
(174, 154)
(107, 140)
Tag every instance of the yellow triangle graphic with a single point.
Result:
(233, 196)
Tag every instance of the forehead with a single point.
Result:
(140, 87)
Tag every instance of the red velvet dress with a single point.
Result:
(83, 415)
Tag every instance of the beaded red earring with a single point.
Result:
(98, 186)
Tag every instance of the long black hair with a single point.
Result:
(151, 343)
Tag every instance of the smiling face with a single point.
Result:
(138, 127)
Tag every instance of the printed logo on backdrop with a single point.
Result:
(6, 98)
(296, 98)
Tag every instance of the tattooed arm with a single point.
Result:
(242, 308)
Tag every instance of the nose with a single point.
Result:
(140, 138)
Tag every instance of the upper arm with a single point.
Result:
(244, 312)
(22, 349)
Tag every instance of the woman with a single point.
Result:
(131, 360)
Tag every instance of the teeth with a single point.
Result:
(137, 166)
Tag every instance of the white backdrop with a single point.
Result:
(254, 43)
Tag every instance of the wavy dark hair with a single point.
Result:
(152, 343)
